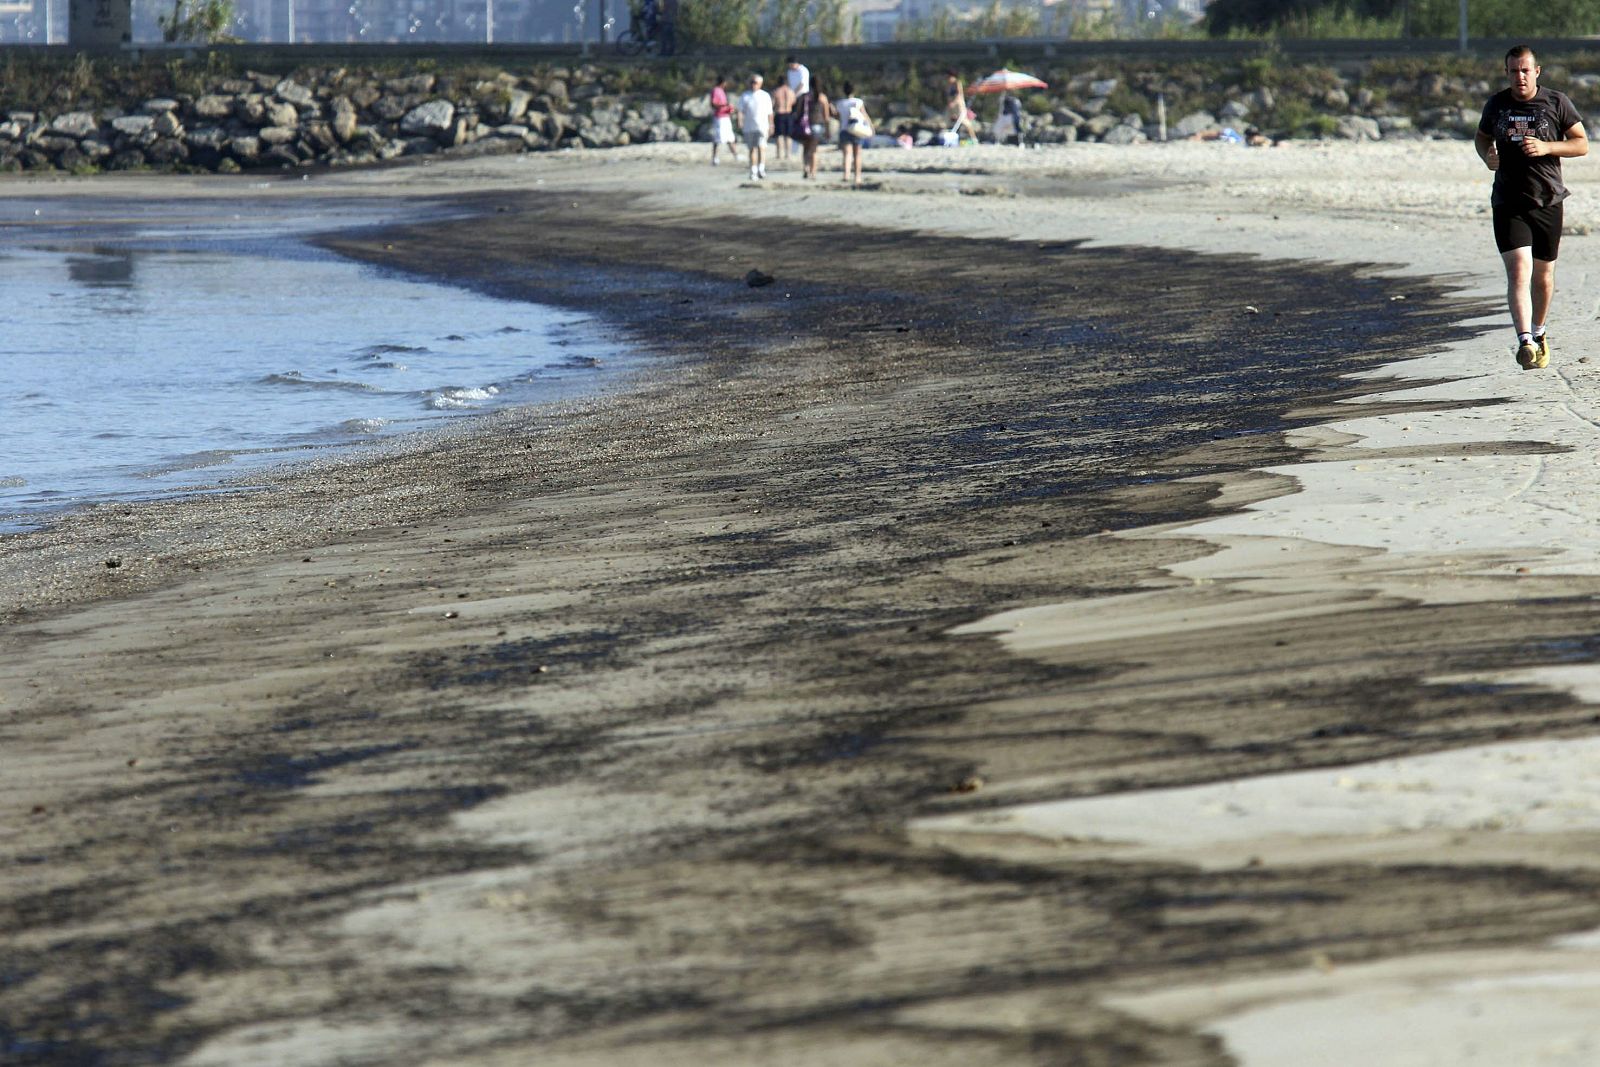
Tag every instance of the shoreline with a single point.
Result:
(531, 354)
(694, 681)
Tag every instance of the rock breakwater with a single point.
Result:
(338, 118)
(231, 121)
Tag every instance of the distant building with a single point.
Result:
(392, 21)
(879, 18)
(884, 20)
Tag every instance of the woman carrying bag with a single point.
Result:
(855, 127)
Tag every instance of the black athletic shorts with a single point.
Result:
(1536, 226)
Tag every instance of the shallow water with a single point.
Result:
(155, 354)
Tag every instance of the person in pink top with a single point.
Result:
(721, 121)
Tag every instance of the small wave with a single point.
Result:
(511, 329)
(376, 351)
(388, 364)
(212, 457)
(457, 398)
(300, 381)
(13, 482)
(452, 337)
(580, 362)
(363, 425)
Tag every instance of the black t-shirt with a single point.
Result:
(1521, 182)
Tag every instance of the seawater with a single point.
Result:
(153, 356)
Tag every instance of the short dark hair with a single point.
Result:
(720, 79)
(790, 59)
(1518, 52)
(849, 90)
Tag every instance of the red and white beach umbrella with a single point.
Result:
(1003, 80)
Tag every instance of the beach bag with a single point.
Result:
(860, 126)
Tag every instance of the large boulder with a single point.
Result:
(292, 92)
(75, 124)
(212, 106)
(279, 155)
(132, 125)
(167, 125)
(432, 119)
(167, 151)
(1193, 123)
(280, 113)
(344, 119)
(412, 86)
(1101, 125)
(278, 135)
(1358, 128)
(391, 108)
(208, 137)
(507, 105)
(320, 136)
(252, 108)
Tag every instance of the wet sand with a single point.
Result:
(688, 724)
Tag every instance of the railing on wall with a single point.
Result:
(953, 52)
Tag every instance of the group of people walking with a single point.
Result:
(797, 112)
(1525, 132)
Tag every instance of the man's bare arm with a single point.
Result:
(1487, 151)
(1575, 145)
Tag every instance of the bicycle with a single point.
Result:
(642, 35)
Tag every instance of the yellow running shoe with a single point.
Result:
(1542, 342)
(1528, 355)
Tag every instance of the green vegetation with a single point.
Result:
(997, 21)
(201, 21)
(766, 23)
(1400, 18)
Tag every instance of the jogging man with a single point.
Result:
(1523, 136)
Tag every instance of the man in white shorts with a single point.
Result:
(721, 120)
(755, 119)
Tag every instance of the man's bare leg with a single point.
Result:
(1543, 290)
(1519, 284)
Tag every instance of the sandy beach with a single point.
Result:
(1097, 605)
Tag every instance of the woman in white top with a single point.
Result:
(849, 110)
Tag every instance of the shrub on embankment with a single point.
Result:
(80, 114)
